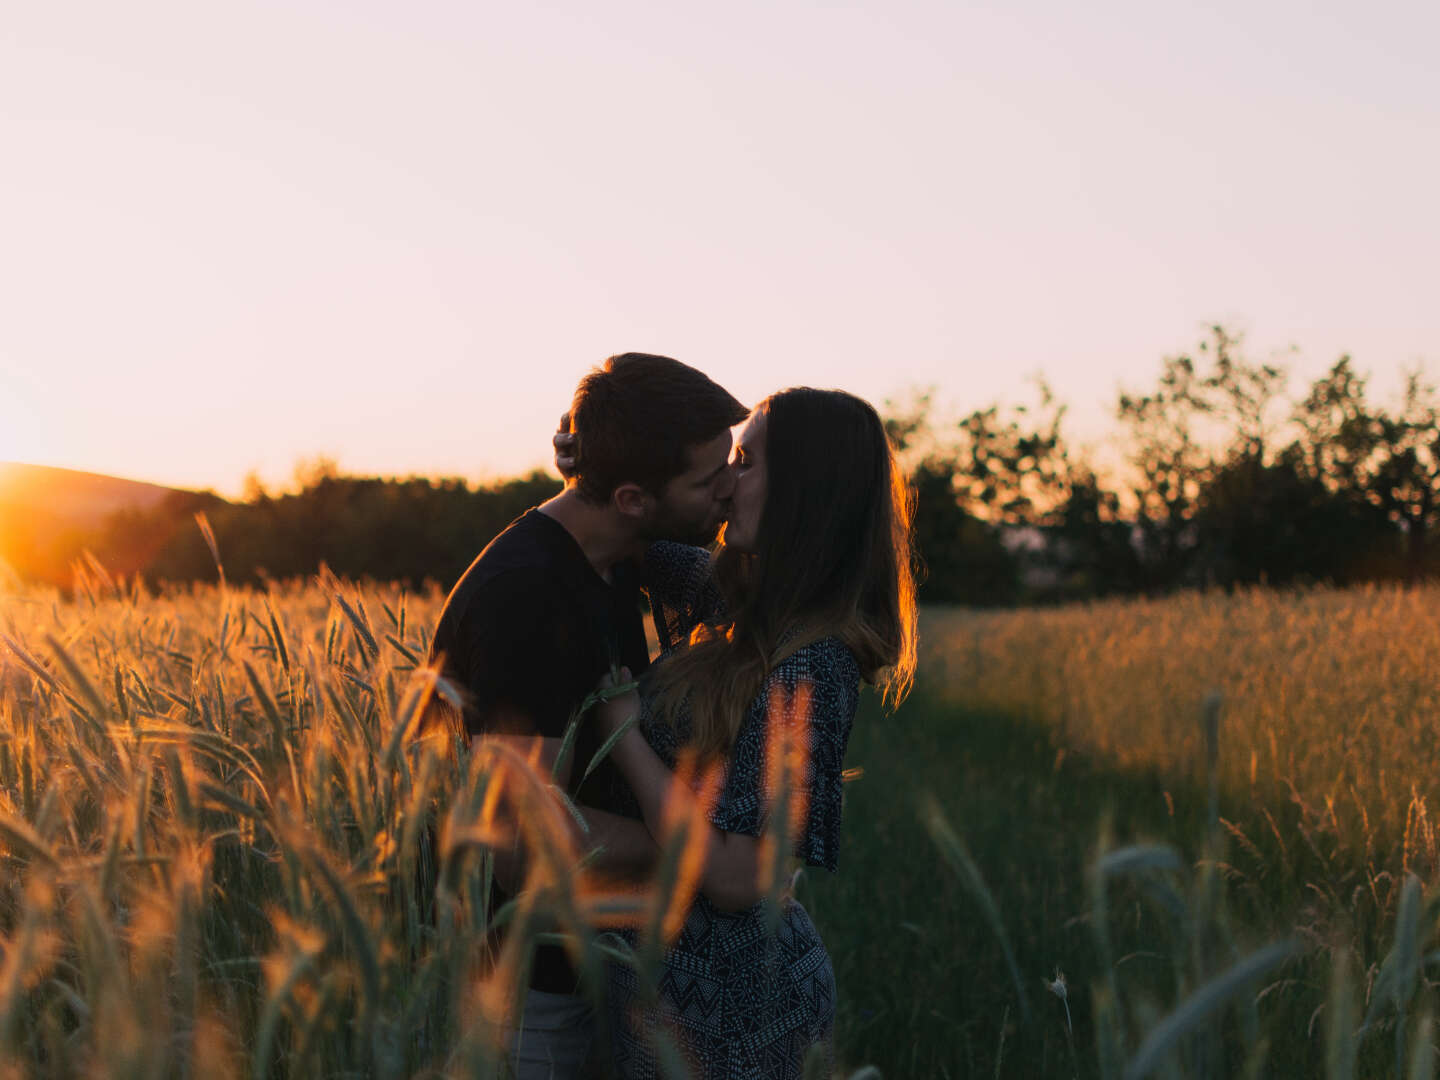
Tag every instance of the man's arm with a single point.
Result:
(730, 874)
(517, 707)
(510, 864)
(625, 845)
(515, 619)
(620, 845)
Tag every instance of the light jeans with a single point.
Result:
(553, 1038)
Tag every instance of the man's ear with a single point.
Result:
(632, 500)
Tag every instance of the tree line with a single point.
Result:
(414, 530)
(1228, 480)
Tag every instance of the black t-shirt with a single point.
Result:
(526, 634)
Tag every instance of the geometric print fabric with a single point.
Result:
(742, 1002)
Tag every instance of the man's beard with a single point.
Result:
(669, 527)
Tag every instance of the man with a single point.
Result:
(552, 604)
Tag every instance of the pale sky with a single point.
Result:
(234, 235)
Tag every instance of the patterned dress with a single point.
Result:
(740, 1001)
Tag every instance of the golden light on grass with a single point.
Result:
(685, 838)
(1327, 693)
(787, 762)
(224, 838)
(224, 785)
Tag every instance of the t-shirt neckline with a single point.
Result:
(573, 547)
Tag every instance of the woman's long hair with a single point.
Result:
(833, 556)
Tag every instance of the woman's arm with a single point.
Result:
(730, 878)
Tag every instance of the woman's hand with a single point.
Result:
(613, 712)
(564, 443)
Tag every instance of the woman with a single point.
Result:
(810, 593)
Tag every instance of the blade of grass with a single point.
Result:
(958, 856)
(1165, 1036)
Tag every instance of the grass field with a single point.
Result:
(212, 817)
(1039, 732)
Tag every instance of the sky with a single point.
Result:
(233, 236)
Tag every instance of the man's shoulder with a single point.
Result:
(526, 548)
(513, 613)
(529, 540)
(519, 565)
(481, 597)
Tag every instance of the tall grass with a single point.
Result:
(1329, 695)
(227, 851)
(1153, 794)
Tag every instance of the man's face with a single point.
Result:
(694, 505)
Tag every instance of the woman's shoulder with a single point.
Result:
(827, 657)
(828, 671)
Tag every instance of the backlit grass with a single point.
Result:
(215, 823)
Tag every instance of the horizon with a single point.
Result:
(290, 487)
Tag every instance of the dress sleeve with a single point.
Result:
(832, 677)
(681, 585)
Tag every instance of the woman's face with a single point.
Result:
(748, 500)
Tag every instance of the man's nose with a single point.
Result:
(725, 483)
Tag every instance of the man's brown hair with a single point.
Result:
(635, 416)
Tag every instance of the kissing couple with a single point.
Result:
(807, 593)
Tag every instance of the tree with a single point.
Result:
(1091, 545)
(1004, 510)
(1274, 524)
(964, 561)
(1389, 460)
(1014, 468)
(1170, 464)
(1196, 424)
(1406, 480)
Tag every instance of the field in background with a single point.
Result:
(209, 827)
(1331, 695)
(1041, 730)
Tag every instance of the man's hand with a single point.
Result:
(539, 752)
(564, 443)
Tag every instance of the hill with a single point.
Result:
(413, 529)
(49, 515)
(79, 498)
